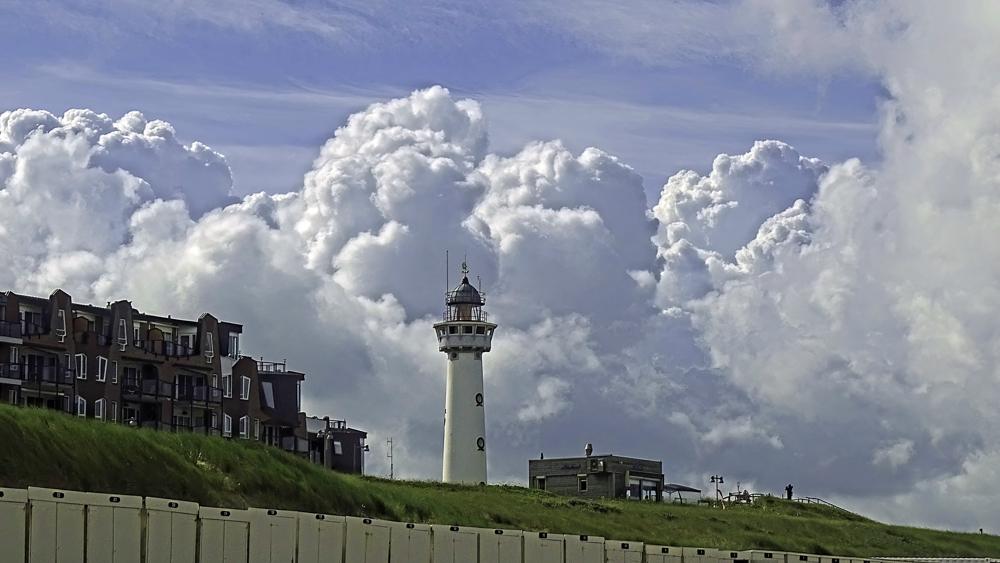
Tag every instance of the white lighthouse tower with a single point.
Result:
(464, 335)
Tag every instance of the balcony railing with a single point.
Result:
(165, 348)
(10, 330)
(271, 367)
(10, 371)
(49, 374)
(202, 393)
(147, 387)
(32, 329)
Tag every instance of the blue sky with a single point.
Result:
(787, 314)
(266, 82)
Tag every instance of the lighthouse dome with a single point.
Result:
(465, 294)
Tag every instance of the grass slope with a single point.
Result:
(48, 449)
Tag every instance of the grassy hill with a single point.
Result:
(48, 449)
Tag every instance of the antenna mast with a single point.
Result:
(447, 282)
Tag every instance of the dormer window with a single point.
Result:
(61, 325)
(209, 347)
(234, 345)
(122, 334)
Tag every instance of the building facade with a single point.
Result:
(598, 476)
(120, 365)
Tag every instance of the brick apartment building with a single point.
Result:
(117, 364)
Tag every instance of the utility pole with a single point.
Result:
(388, 454)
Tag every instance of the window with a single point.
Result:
(135, 333)
(453, 330)
(99, 409)
(245, 388)
(582, 481)
(186, 341)
(114, 411)
(467, 329)
(102, 368)
(61, 324)
(214, 420)
(480, 330)
(130, 415)
(338, 448)
(256, 428)
(227, 425)
(227, 385)
(12, 396)
(81, 406)
(14, 355)
(244, 426)
(209, 347)
(114, 372)
(215, 381)
(122, 335)
(234, 345)
(81, 366)
(540, 483)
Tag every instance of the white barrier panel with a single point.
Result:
(273, 535)
(543, 547)
(698, 555)
(725, 556)
(409, 543)
(13, 523)
(584, 549)
(455, 544)
(767, 556)
(171, 530)
(501, 546)
(321, 538)
(224, 535)
(663, 554)
(58, 524)
(114, 528)
(617, 551)
(367, 541)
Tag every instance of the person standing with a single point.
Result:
(788, 492)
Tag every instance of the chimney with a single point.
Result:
(589, 450)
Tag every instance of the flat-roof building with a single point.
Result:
(598, 476)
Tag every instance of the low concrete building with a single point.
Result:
(598, 476)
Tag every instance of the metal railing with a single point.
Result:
(475, 314)
(165, 348)
(147, 387)
(10, 330)
(271, 367)
(202, 393)
(32, 329)
(10, 371)
(49, 374)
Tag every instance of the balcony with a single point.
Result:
(165, 348)
(148, 388)
(198, 393)
(10, 330)
(32, 329)
(10, 371)
(49, 374)
(271, 367)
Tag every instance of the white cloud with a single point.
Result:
(894, 455)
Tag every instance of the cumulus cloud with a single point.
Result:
(839, 314)
(345, 276)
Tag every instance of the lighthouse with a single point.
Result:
(464, 334)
